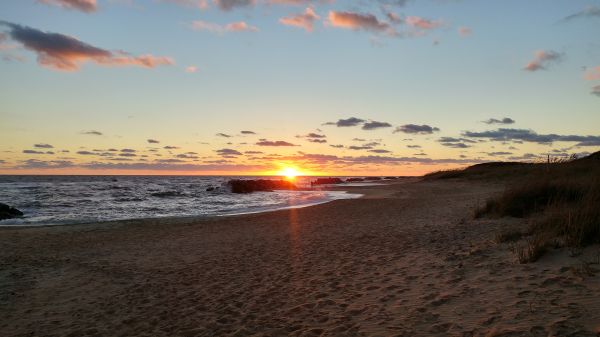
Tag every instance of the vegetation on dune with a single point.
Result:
(560, 198)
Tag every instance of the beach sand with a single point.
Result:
(408, 259)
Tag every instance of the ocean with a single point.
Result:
(56, 200)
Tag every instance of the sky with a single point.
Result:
(327, 87)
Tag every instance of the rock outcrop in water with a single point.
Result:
(354, 180)
(7, 212)
(327, 181)
(259, 185)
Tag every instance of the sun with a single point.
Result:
(289, 172)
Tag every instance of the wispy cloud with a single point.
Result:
(153, 141)
(265, 142)
(62, 52)
(504, 120)
(533, 137)
(239, 26)
(596, 90)
(593, 74)
(590, 12)
(43, 146)
(87, 6)
(373, 125)
(304, 20)
(228, 5)
(416, 129)
(543, 59)
(92, 132)
(357, 21)
(348, 122)
(465, 31)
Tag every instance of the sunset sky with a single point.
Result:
(387, 87)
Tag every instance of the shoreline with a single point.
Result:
(406, 260)
(362, 191)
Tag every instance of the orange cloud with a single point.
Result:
(305, 20)
(593, 74)
(357, 21)
(240, 26)
(62, 52)
(422, 23)
(86, 6)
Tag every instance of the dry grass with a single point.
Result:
(563, 195)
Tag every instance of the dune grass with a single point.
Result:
(561, 199)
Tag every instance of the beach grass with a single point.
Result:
(561, 199)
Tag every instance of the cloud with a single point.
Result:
(247, 132)
(227, 5)
(358, 148)
(264, 142)
(504, 120)
(152, 141)
(357, 21)
(62, 52)
(380, 151)
(240, 26)
(202, 4)
(42, 164)
(253, 152)
(168, 147)
(590, 12)
(372, 125)
(86, 6)
(313, 135)
(465, 31)
(532, 137)
(305, 20)
(337, 146)
(128, 150)
(92, 132)
(86, 153)
(416, 129)
(322, 141)
(33, 152)
(596, 90)
(543, 59)
(422, 23)
(593, 74)
(220, 134)
(191, 69)
(352, 121)
(43, 146)
(228, 152)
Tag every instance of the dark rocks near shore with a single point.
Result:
(167, 194)
(355, 180)
(373, 178)
(259, 185)
(8, 212)
(327, 181)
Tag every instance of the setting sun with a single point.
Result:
(289, 172)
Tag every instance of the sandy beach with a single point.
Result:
(408, 259)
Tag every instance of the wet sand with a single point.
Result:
(408, 259)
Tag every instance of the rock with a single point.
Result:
(264, 185)
(354, 180)
(8, 212)
(166, 194)
(373, 178)
(327, 181)
(210, 189)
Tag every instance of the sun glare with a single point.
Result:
(290, 173)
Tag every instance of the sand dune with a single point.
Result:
(406, 260)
